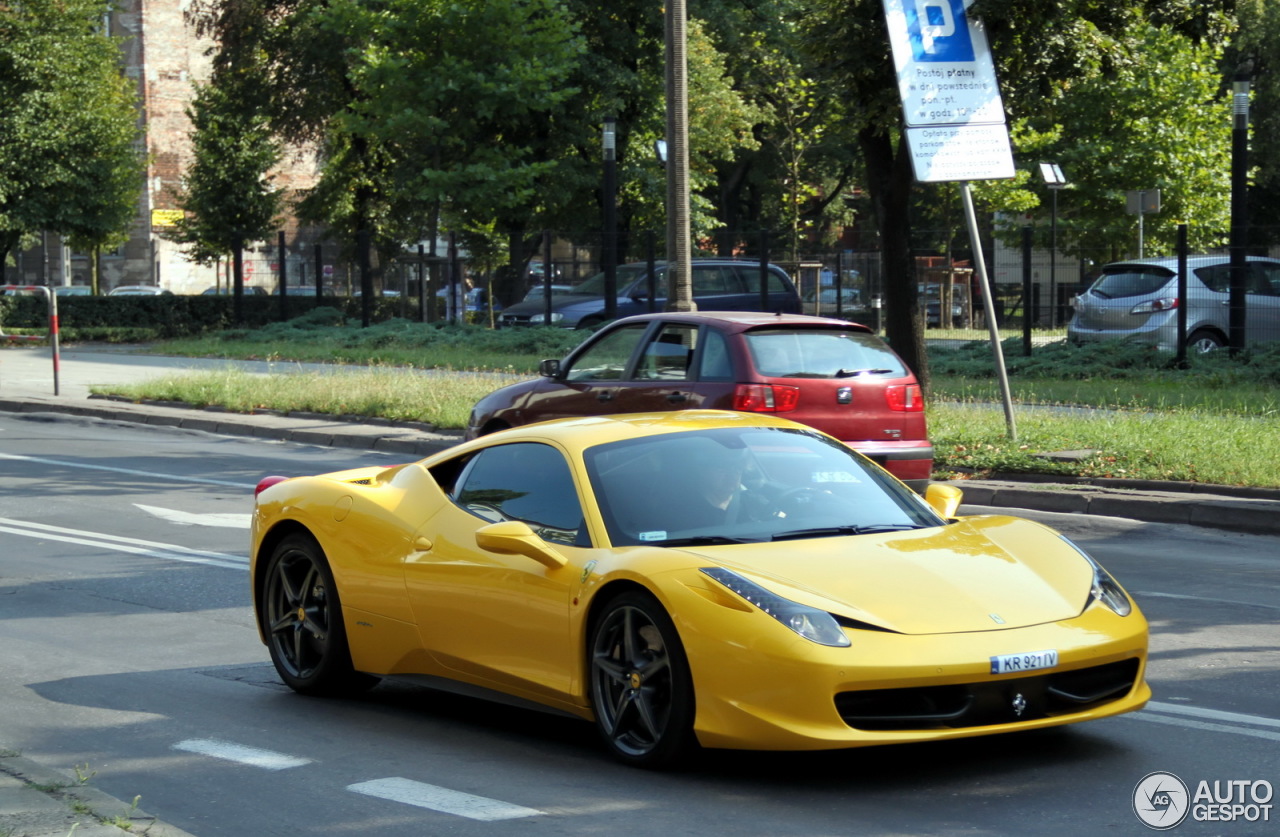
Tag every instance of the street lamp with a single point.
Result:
(1055, 180)
(610, 201)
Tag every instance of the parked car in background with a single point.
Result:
(73, 290)
(476, 300)
(1139, 300)
(539, 292)
(249, 290)
(830, 374)
(718, 285)
(829, 302)
(137, 290)
(931, 299)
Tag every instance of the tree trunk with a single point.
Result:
(889, 181)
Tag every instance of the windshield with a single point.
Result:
(627, 274)
(1131, 280)
(750, 484)
(821, 353)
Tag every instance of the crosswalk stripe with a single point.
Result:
(436, 798)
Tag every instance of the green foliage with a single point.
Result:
(69, 157)
(227, 192)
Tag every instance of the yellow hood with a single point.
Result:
(953, 579)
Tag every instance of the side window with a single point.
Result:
(751, 280)
(667, 357)
(524, 481)
(1216, 277)
(1264, 279)
(712, 280)
(607, 358)
(716, 364)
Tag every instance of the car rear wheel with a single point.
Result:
(641, 689)
(1202, 342)
(302, 620)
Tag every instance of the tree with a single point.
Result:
(70, 158)
(227, 193)
(1042, 48)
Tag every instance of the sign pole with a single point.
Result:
(993, 329)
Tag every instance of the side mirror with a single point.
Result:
(549, 368)
(944, 499)
(513, 537)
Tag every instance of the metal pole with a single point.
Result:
(1182, 296)
(319, 273)
(610, 206)
(651, 258)
(1026, 290)
(1237, 312)
(839, 287)
(422, 283)
(679, 259)
(284, 276)
(1142, 203)
(366, 278)
(546, 276)
(1053, 263)
(993, 331)
(764, 270)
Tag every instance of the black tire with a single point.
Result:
(1203, 341)
(641, 690)
(302, 620)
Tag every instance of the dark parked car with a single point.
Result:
(1139, 301)
(830, 374)
(718, 285)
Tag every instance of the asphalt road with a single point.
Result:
(129, 652)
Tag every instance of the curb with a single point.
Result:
(49, 802)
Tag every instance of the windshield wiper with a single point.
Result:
(851, 373)
(705, 540)
(829, 531)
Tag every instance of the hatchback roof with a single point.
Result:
(1171, 262)
(747, 319)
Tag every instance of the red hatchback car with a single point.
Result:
(830, 374)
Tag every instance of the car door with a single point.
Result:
(664, 376)
(497, 618)
(719, 288)
(1262, 322)
(591, 379)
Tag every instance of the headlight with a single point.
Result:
(542, 318)
(1105, 588)
(812, 624)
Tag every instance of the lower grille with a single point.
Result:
(987, 702)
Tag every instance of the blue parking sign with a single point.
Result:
(937, 30)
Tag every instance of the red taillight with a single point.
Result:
(765, 398)
(267, 482)
(905, 398)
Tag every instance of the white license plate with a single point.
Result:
(1030, 661)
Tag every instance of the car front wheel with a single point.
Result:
(302, 620)
(641, 689)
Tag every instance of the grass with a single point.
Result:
(1212, 422)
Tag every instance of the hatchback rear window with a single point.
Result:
(821, 353)
(1130, 281)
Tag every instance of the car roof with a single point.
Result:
(588, 431)
(1171, 262)
(746, 320)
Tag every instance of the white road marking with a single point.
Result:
(266, 759)
(1189, 724)
(134, 546)
(1212, 714)
(1233, 722)
(182, 518)
(440, 799)
(1149, 594)
(130, 471)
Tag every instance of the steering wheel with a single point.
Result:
(802, 496)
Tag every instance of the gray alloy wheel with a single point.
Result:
(1203, 342)
(641, 689)
(302, 620)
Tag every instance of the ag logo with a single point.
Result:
(1161, 801)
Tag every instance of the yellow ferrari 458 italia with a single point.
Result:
(694, 578)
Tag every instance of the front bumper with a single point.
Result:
(766, 691)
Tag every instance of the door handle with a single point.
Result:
(677, 398)
(605, 396)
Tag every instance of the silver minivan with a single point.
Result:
(1138, 300)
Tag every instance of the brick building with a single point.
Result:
(161, 53)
